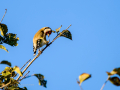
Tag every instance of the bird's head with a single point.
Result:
(47, 31)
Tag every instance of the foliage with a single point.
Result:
(7, 80)
(114, 79)
(84, 77)
(7, 76)
(41, 79)
(8, 38)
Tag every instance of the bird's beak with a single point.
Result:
(48, 34)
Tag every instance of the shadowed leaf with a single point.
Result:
(66, 33)
(3, 29)
(11, 39)
(5, 62)
(2, 47)
(117, 70)
(84, 77)
(17, 69)
(115, 80)
(41, 79)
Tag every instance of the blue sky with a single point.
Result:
(95, 47)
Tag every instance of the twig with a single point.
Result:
(25, 64)
(39, 53)
(6, 84)
(3, 15)
(80, 87)
(22, 67)
(104, 83)
(24, 76)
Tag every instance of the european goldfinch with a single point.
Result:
(40, 38)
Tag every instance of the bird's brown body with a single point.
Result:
(40, 38)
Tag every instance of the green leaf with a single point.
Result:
(41, 79)
(17, 69)
(114, 80)
(58, 29)
(84, 77)
(3, 29)
(2, 47)
(66, 33)
(5, 62)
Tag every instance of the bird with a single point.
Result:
(39, 38)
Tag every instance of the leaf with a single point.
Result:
(11, 39)
(3, 29)
(7, 71)
(115, 80)
(115, 71)
(17, 69)
(66, 33)
(58, 29)
(41, 79)
(111, 73)
(2, 47)
(84, 77)
(5, 62)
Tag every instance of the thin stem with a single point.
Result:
(104, 83)
(22, 67)
(6, 84)
(80, 87)
(3, 15)
(25, 64)
(39, 53)
(24, 76)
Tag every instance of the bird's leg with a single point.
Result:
(40, 51)
(48, 42)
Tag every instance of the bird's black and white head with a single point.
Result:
(47, 31)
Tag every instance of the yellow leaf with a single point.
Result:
(57, 30)
(2, 47)
(17, 69)
(1, 31)
(115, 71)
(84, 77)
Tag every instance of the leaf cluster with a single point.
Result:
(7, 80)
(8, 38)
(114, 79)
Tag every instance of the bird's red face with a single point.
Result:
(48, 33)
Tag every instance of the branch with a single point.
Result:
(104, 83)
(3, 15)
(6, 84)
(39, 53)
(22, 67)
(24, 76)
(80, 87)
(25, 64)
